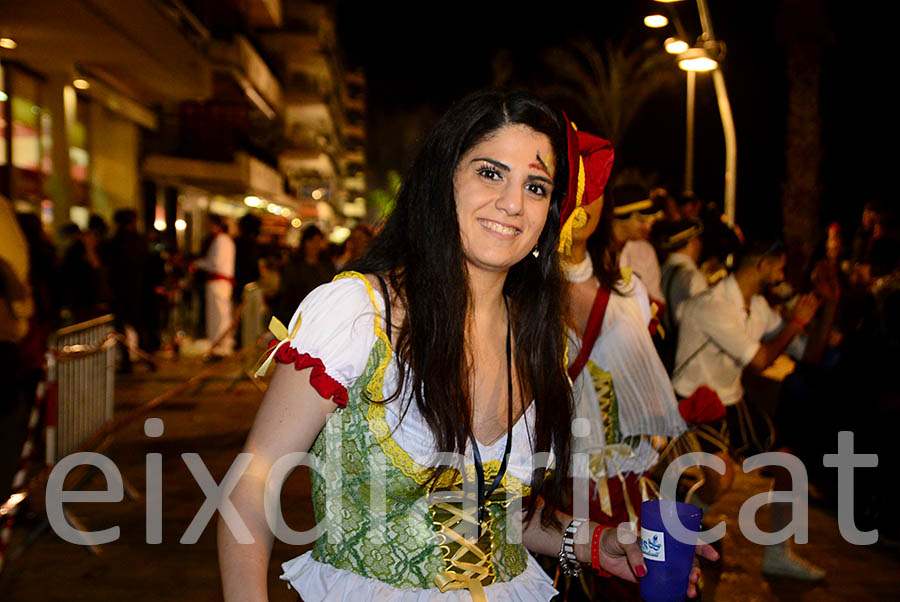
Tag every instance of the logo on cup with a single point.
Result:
(653, 545)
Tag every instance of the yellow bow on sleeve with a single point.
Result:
(277, 328)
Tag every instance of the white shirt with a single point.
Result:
(646, 401)
(640, 257)
(219, 259)
(680, 281)
(337, 326)
(718, 337)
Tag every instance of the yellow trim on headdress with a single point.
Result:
(684, 235)
(578, 217)
(632, 207)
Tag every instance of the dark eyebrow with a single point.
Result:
(492, 162)
(542, 179)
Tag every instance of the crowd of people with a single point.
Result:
(160, 294)
(518, 286)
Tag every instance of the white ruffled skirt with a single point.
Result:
(316, 582)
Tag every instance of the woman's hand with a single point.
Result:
(620, 554)
(702, 551)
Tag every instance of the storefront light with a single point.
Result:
(8, 43)
(296, 222)
(81, 84)
(252, 201)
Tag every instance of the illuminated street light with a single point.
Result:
(160, 225)
(8, 43)
(675, 46)
(81, 84)
(252, 201)
(696, 59)
(655, 21)
(180, 225)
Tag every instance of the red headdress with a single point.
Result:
(590, 162)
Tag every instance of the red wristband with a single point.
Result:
(595, 552)
(798, 322)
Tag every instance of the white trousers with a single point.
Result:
(218, 316)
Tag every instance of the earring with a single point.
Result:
(536, 253)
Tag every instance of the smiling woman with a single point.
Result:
(438, 365)
(502, 188)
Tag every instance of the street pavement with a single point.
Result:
(211, 418)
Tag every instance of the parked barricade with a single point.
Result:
(82, 366)
(252, 315)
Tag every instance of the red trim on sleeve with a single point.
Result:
(324, 385)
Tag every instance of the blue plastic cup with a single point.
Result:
(668, 560)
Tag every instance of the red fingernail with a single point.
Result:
(640, 571)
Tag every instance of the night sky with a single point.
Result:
(418, 58)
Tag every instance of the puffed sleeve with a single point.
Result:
(333, 332)
(636, 288)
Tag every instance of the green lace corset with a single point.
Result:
(371, 506)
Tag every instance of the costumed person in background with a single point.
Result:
(218, 263)
(681, 278)
(634, 212)
(726, 330)
(620, 384)
(447, 339)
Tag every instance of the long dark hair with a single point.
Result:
(420, 250)
(601, 248)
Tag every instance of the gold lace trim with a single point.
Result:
(380, 428)
(374, 386)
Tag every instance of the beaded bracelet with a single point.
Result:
(595, 552)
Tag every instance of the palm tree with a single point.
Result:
(803, 29)
(609, 86)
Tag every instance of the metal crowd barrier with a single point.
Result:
(252, 316)
(82, 364)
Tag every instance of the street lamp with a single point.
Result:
(656, 21)
(696, 59)
(675, 46)
(706, 58)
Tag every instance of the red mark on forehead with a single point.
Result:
(540, 165)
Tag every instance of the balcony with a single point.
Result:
(243, 174)
(355, 132)
(262, 13)
(249, 70)
(307, 163)
(131, 45)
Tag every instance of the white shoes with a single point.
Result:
(780, 561)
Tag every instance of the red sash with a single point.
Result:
(595, 322)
